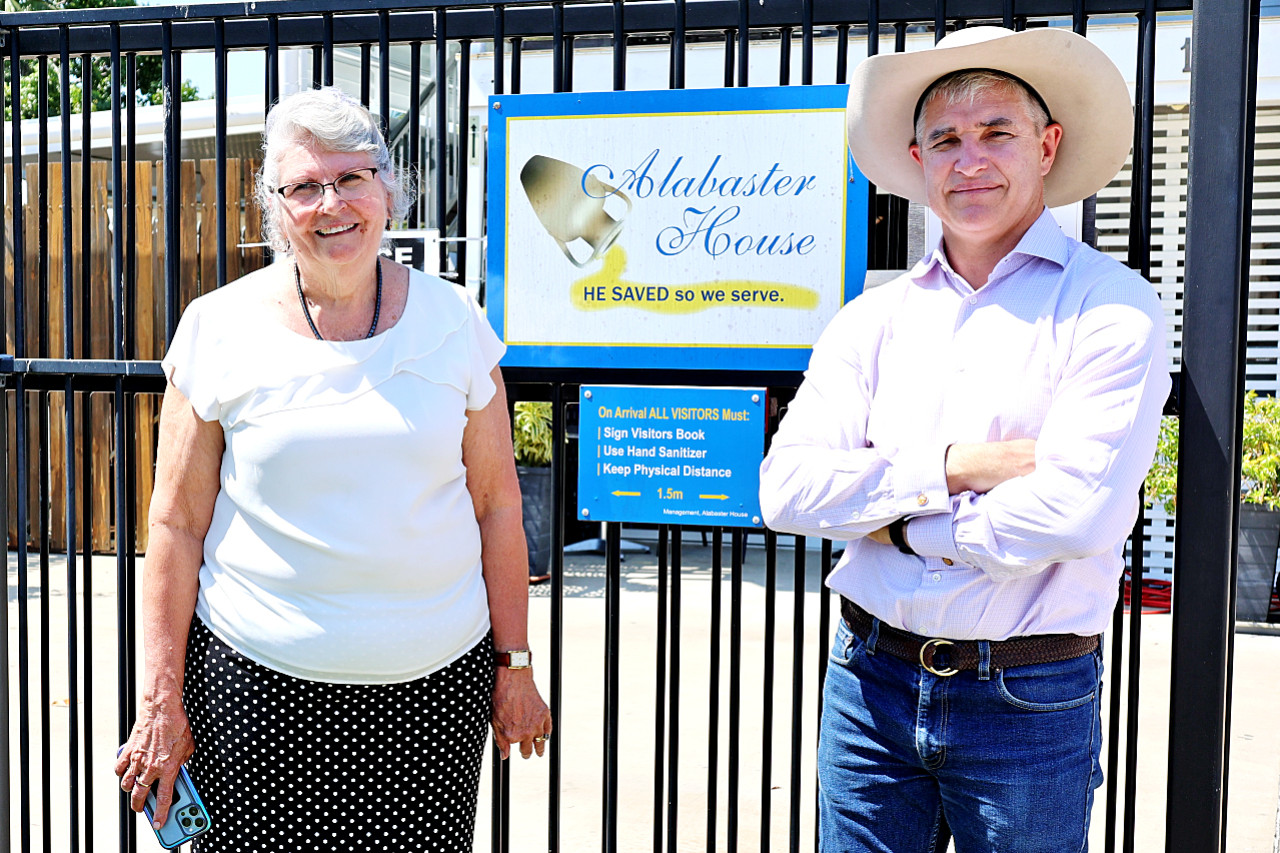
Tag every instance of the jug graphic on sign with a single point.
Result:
(570, 205)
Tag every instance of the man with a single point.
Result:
(977, 431)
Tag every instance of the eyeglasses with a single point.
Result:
(354, 185)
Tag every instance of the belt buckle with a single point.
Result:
(926, 657)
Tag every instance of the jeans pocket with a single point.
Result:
(1057, 686)
(843, 646)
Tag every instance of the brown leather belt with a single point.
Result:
(947, 657)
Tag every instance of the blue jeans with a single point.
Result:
(1005, 763)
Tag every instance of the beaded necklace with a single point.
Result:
(377, 304)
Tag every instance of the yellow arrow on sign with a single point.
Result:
(715, 497)
(626, 494)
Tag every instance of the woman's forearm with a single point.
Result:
(506, 577)
(170, 581)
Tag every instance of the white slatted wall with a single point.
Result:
(1168, 227)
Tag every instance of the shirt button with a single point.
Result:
(857, 514)
(947, 561)
(937, 576)
(922, 499)
(973, 300)
(923, 630)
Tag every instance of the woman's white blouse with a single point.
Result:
(344, 545)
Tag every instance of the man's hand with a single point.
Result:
(881, 536)
(982, 467)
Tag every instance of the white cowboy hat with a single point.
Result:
(1081, 86)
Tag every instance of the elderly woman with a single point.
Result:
(337, 507)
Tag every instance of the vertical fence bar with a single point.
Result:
(677, 46)
(117, 208)
(824, 642)
(1113, 720)
(64, 151)
(556, 699)
(366, 73)
(784, 57)
(42, 213)
(673, 695)
(744, 41)
(939, 20)
(873, 27)
(46, 689)
(272, 69)
(464, 157)
(220, 139)
(328, 48)
(660, 689)
(86, 494)
(1219, 208)
(42, 397)
(799, 589)
(612, 684)
(6, 801)
(728, 59)
(130, 254)
(557, 47)
(619, 47)
(735, 687)
(1139, 259)
(713, 680)
(20, 449)
(414, 137)
(68, 443)
(6, 794)
(766, 711)
(515, 64)
(842, 53)
(384, 72)
(806, 43)
(442, 136)
(171, 152)
(73, 616)
(24, 573)
(18, 232)
(568, 61)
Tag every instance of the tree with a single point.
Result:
(149, 83)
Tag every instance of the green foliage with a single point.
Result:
(1162, 479)
(149, 89)
(1260, 460)
(532, 435)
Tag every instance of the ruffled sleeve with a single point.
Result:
(185, 365)
(486, 351)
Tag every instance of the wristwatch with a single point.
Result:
(514, 659)
(898, 535)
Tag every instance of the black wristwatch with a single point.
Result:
(898, 535)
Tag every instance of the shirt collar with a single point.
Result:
(1044, 239)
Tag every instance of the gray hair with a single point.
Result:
(970, 84)
(327, 119)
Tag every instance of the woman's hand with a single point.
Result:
(157, 748)
(519, 714)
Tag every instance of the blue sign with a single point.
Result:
(670, 455)
(683, 229)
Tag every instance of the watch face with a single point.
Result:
(519, 659)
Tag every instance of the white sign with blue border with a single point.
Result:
(670, 455)
(698, 229)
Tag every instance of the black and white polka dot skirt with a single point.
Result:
(286, 764)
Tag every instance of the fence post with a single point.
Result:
(4, 611)
(1223, 90)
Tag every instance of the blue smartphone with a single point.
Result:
(187, 814)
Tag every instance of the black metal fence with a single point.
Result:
(54, 400)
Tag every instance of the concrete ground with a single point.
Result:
(762, 802)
